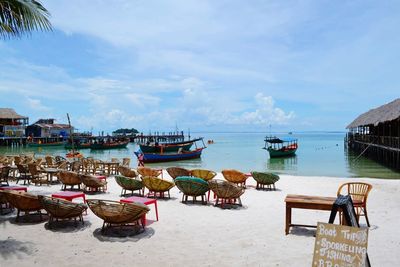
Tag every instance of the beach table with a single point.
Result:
(143, 200)
(305, 202)
(70, 195)
(51, 172)
(103, 178)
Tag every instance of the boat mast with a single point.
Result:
(71, 135)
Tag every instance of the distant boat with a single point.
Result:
(109, 144)
(168, 147)
(165, 157)
(49, 144)
(77, 145)
(278, 147)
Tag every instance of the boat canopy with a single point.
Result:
(276, 140)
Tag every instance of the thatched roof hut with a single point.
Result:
(9, 113)
(382, 114)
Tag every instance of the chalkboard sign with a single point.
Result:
(340, 246)
(345, 205)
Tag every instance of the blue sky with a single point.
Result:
(205, 65)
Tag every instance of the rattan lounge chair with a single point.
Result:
(225, 191)
(93, 184)
(127, 172)
(61, 209)
(206, 175)
(24, 174)
(4, 174)
(359, 194)
(235, 177)
(157, 185)
(68, 178)
(116, 213)
(23, 201)
(143, 171)
(177, 171)
(265, 179)
(128, 183)
(192, 186)
(36, 175)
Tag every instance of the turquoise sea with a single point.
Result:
(319, 154)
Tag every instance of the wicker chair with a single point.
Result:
(143, 171)
(37, 176)
(128, 183)
(24, 174)
(68, 178)
(126, 162)
(225, 191)
(23, 201)
(177, 171)
(206, 175)
(116, 213)
(265, 179)
(50, 162)
(235, 177)
(157, 185)
(93, 184)
(4, 174)
(192, 186)
(359, 194)
(127, 172)
(76, 166)
(62, 209)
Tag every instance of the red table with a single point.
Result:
(143, 200)
(69, 195)
(17, 188)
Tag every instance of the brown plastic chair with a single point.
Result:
(359, 194)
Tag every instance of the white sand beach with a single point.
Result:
(204, 235)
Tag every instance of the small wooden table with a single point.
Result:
(51, 172)
(144, 200)
(305, 202)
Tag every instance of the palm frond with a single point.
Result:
(18, 17)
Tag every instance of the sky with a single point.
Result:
(205, 65)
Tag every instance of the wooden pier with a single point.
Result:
(376, 134)
(22, 141)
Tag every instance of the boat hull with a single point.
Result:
(46, 144)
(165, 148)
(80, 146)
(273, 153)
(109, 146)
(166, 157)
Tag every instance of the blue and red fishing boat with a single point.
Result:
(165, 157)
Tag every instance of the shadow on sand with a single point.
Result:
(13, 248)
(123, 233)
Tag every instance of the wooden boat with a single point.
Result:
(280, 147)
(50, 144)
(77, 146)
(109, 145)
(165, 157)
(168, 147)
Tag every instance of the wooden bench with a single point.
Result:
(305, 202)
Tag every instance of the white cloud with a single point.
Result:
(36, 104)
